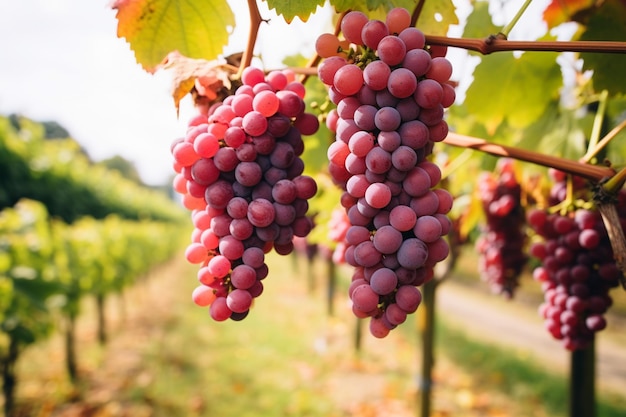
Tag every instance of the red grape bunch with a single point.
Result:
(240, 173)
(390, 93)
(576, 273)
(338, 226)
(501, 244)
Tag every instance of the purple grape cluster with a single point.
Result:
(576, 273)
(390, 94)
(240, 172)
(501, 245)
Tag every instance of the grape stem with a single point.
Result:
(593, 151)
(417, 12)
(495, 44)
(597, 124)
(615, 183)
(591, 172)
(504, 33)
(255, 24)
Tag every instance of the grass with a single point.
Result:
(524, 382)
(167, 358)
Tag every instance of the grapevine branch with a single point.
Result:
(591, 172)
(494, 43)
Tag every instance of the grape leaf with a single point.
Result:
(479, 23)
(186, 70)
(561, 11)
(364, 6)
(513, 89)
(435, 18)
(317, 102)
(609, 24)
(154, 28)
(617, 113)
(290, 9)
(558, 132)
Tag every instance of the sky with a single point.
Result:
(61, 60)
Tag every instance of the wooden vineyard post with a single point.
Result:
(428, 342)
(582, 401)
(332, 283)
(358, 335)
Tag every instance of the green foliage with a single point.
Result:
(608, 24)
(322, 205)
(57, 173)
(123, 166)
(508, 88)
(48, 266)
(437, 16)
(53, 130)
(479, 23)
(289, 9)
(558, 132)
(25, 287)
(616, 112)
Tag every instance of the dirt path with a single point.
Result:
(518, 326)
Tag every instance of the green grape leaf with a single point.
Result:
(156, 28)
(608, 24)
(513, 89)
(37, 291)
(364, 6)
(479, 23)
(558, 132)
(436, 17)
(615, 149)
(290, 9)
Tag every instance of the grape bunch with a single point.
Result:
(576, 273)
(501, 244)
(338, 226)
(390, 93)
(240, 173)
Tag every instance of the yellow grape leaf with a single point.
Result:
(154, 28)
(185, 71)
(436, 17)
(472, 215)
